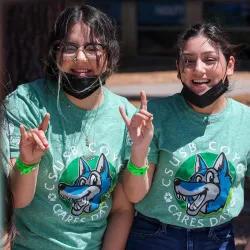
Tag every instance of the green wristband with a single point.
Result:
(25, 169)
(135, 170)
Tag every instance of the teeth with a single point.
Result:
(193, 207)
(200, 81)
(81, 70)
(184, 198)
(178, 196)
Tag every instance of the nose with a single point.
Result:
(199, 67)
(61, 186)
(177, 181)
(80, 55)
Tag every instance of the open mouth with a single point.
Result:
(198, 201)
(81, 72)
(83, 202)
(65, 197)
(205, 81)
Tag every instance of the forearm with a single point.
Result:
(22, 186)
(136, 187)
(117, 231)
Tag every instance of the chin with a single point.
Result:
(200, 90)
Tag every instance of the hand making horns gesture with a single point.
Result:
(33, 143)
(140, 126)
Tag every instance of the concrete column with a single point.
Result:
(129, 34)
(1, 47)
(194, 12)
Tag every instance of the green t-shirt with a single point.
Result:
(73, 194)
(202, 161)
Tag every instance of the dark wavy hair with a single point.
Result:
(8, 210)
(101, 27)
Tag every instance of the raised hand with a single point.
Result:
(140, 126)
(33, 143)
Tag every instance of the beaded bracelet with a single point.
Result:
(136, 170)
(25, 169)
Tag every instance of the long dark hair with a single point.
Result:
(8, 210)
(101, 27)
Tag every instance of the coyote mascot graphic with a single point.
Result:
(207, 189)
(86, 191)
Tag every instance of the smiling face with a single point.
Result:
(204, 65)
(80, 63)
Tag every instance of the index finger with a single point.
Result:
(143, 100)
(44, 124)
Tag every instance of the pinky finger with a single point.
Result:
(24, 134)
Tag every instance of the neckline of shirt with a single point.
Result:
(206, 118)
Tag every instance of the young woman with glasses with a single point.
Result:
(65, 175)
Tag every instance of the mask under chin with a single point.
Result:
(207, 98)
(81, 87)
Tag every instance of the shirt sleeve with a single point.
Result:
(153, 150)
(248, 166)
(19, 110)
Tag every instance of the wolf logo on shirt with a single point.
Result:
(207, 189)
(86, 191)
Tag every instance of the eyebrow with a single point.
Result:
(89, 43)
(203, 53)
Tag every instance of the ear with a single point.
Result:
(83, 167)
(230, 66)
(221, 164)
(200, 164)
(178, 70)
(102, 165)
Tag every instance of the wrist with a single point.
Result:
(141, 145)
(139, 161)
(141, 150)
(137, 171)
(28, 163)
(23, 168)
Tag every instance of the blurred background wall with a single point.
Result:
(148, 30)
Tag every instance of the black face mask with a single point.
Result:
(81, 87)
(207, 98)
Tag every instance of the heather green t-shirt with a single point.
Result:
(202, 161)
(73, 194)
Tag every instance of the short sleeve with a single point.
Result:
(19, 109)
(248, 165)
(153, 150)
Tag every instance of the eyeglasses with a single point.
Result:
(91, 50)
